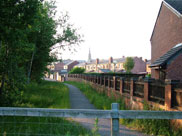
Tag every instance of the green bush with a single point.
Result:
(77, 70)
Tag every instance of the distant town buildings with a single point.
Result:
(59, 70)
(113, 65)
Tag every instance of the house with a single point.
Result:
(113, 65)
(70, 65)
(166, 39)
(59, 71)
(80, 65)
(148, 69)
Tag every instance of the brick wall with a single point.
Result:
(174, 70)
(167, 33)
(140, 65)
(70, 66)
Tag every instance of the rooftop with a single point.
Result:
(170, 55)
(176, 4)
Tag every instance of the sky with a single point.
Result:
(111, 27)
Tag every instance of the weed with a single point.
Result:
(96, 128)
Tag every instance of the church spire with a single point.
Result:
(89, 56)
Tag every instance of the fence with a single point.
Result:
(167, 94)
(113, 114)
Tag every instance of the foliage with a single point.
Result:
(150, 126)
(129, 64)
(96, 128)
(40, 126)
(44, 95)
(148, 75)
(77, 70)
(28, 35)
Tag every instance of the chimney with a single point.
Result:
(97, 61)
(123, 57)
(141, 58)
(145, 60)
(110, 60)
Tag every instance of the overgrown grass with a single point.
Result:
(32, 126)
(44, 95)
(160, 127)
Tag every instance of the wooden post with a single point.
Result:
(109, 81)
(100, 79)
(121, 85)
(131, 87)
(104, 81)
(114, 83)
(115, 120)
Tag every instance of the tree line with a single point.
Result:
(28, 34)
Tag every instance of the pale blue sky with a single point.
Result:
(112, 27)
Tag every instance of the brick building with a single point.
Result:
(70, 65)
(60, 70)
(166, 39)
(113, 65)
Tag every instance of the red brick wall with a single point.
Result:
(70, 66)
(167, 33)
(174, 70)
(140, 66)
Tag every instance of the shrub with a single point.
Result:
(77, 70)
(129, 64)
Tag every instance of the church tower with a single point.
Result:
(89, 56)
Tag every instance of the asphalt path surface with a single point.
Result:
(79, 101)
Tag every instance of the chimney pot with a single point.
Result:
(110, 60)
(97, 61)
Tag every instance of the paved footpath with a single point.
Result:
(79, 101)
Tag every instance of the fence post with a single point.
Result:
(114, 83)
(131, 87)
(104, 81)
(168, 93)
(109, 81)
(146, 90)
(147, 81)
(121, 85)
(115, 120)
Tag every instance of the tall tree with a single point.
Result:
(28, 33)
(16, 17)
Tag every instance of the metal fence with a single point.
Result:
(54, 124)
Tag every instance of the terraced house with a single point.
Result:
(166, 42)
(113, 65)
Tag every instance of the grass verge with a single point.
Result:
(44, 95)
(159, 127)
